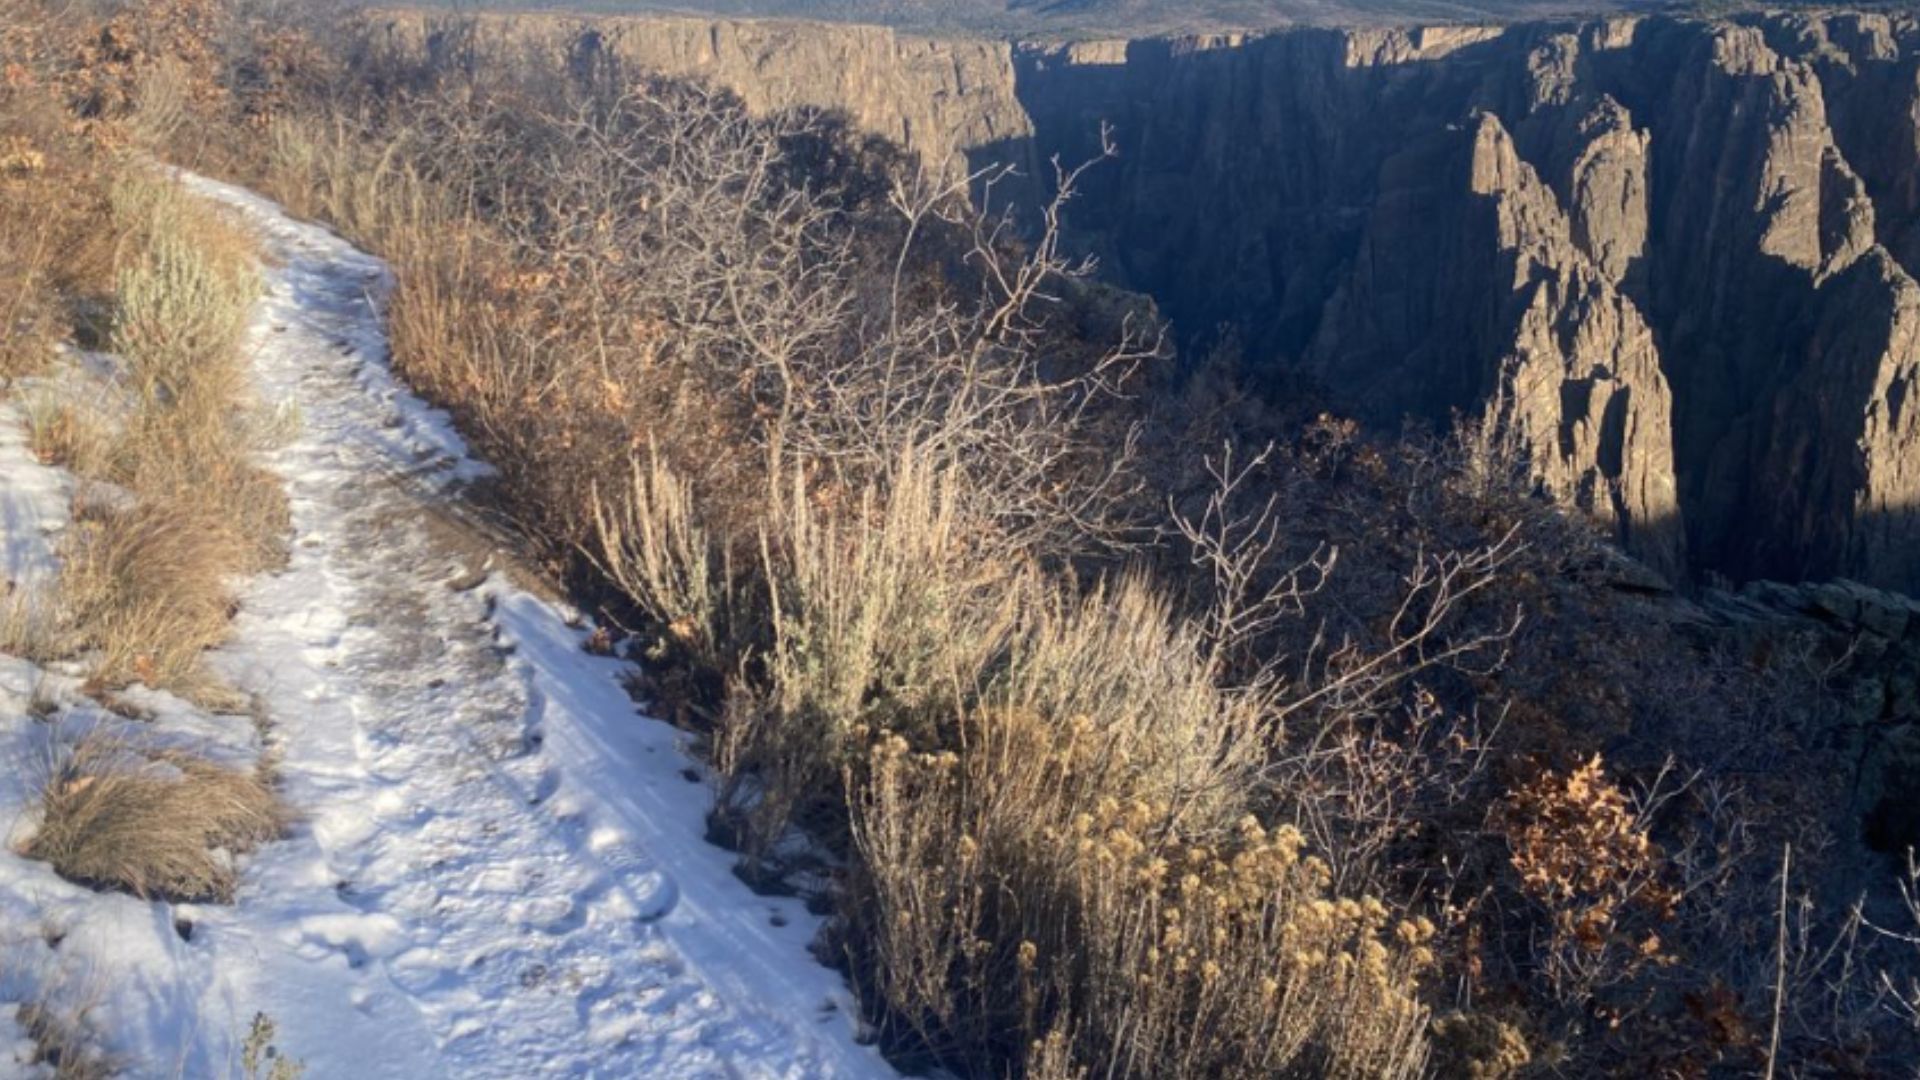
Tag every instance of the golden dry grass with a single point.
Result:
(55, 263)
(146, 576)
(96, 246)
(154, 823)
(171, 510)
(145, 591)
(28, 627)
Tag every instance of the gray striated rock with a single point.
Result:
(1603, 184)
(1692, 267)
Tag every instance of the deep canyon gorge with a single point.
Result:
(1674, 258)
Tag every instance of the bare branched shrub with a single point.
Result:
(1903, 987)
(1236, 548)
(162, 824)
(668, 238)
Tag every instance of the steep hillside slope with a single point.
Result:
(1676, 257)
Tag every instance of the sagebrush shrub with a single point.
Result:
(181, 306)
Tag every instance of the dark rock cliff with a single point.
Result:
(1676, 256)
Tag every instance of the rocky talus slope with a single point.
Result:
(1678, 256)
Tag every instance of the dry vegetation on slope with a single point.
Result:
(1117, 744)
(1098, 787)
(857, 472)
(168, 505)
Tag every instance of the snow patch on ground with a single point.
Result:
(33, 505)
(500, 868)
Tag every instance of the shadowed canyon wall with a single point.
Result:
(1675, 258)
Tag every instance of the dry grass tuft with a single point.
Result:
(71, 434)
(145, 589)
(157, 824)
(28, 629)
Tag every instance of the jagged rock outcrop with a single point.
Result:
(1675, 258)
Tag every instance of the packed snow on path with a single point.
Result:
(500, 868)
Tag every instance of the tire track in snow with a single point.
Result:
(502, 871)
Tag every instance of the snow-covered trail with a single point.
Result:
(500, 870)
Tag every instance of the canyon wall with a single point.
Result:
(945, 100)
(1675, 259)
